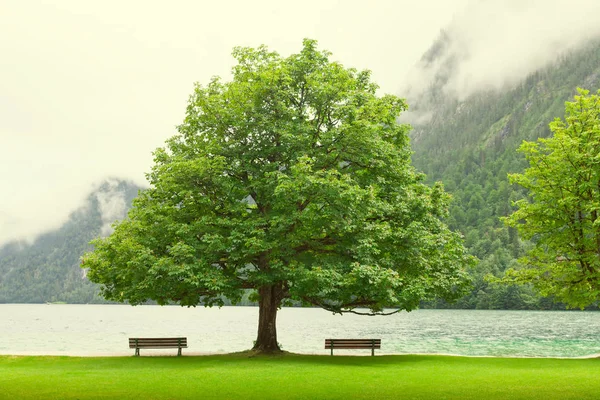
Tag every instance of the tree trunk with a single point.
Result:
(268, 303)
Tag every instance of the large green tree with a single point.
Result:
(293, 180)
(562, 213)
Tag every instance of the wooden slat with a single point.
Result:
(336, 341)
(356, 342)
(158, 342)
(353, 343)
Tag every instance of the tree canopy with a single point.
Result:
(293, 180)
(562, 213)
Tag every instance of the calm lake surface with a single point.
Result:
(104, 330)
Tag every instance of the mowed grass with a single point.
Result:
(240, 376)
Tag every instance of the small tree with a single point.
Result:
(293, 180)
(562, 214)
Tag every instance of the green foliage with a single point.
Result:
(561, 214)
(295, 177)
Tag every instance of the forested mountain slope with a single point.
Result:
(471, 146)
(47, 270)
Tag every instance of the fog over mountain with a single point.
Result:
(88, 91)
(48, 269)
(493, 45)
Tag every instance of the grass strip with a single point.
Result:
(291, 376)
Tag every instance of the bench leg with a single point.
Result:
(373, 351)
(178, 351)
(137, 351)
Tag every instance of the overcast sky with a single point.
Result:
(89, 89)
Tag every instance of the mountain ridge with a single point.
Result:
(47, 270)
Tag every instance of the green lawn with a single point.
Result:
(239, 376)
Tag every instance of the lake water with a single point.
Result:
(104, 330)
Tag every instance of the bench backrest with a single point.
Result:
(175, 342)
(353, 343)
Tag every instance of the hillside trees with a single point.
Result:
(562, 213)
(293, 180)
(459, 132)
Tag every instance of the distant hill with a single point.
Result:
(47, 270)
(470, 145)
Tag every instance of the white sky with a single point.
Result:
(89, 89)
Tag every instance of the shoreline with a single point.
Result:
(164, 353)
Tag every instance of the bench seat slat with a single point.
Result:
(336, 343)
(158, 343)
(357, 342)
(351, 344)
(157, 340)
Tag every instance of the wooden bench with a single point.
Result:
(157, 343)
(353, 344)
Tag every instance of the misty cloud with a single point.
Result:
(111, 204)
(492, 44)
(89, 90)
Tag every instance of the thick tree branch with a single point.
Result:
(348, 307)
